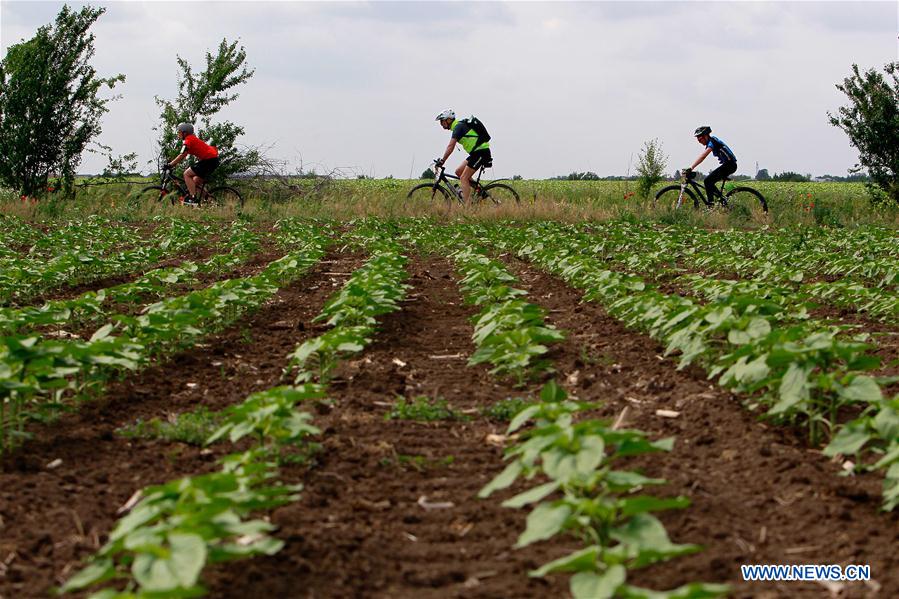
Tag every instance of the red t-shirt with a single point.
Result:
(199, 148)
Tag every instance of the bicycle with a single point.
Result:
(222, 196)
(498, 193)
(673, 196)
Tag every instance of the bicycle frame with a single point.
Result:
(168, 176)
(699, 190)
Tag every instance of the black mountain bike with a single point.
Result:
(691, 192)
(173, 188)
(444, 189)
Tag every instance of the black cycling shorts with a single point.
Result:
(204, 168)
(480, 158)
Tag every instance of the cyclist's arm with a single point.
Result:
(178, 159)
(699, 160)
(449, 150)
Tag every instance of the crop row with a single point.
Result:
(585, 497)
(89, 306)
(866, 254)
(162, 546)
(37, 374)
(22, 278)
(801, 371)
(865, 284)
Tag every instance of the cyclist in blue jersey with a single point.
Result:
(725, 156)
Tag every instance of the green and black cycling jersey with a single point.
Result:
(470, 134)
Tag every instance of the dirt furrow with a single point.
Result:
(759, 494)
(390, 510)
(53, 517)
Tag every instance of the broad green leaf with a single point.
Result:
(532, 495)
(95, 572)
(590, 585)
(862, 388)
(848, 440)
(580, 560)
(543, 522)
(502, 480)
(794, 388)
(180, 568)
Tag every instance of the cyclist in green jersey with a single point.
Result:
(473, 137)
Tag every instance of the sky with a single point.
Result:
(561, 86)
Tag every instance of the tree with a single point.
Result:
(790, 176)
(762, 175)
(871, 120)
(200, 98)
(651, 164)
(428, 174)
(50, 104)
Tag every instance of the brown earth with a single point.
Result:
(370, 522)
(53, 518)
(759, 494)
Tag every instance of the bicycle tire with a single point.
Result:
(667, 198)
(426, 193)
(155, 193)
(502, 194)
(746, 196)
(224, 197)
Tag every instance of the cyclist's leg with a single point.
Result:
(190, 181)
(200, 173)
(465, 173)
(475, 161)
(717, 175)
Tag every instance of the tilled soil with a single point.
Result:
(760, 496)
(390, 510)
(52, 518)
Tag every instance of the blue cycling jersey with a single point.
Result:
(720, 150)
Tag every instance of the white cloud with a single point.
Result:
(561, 86)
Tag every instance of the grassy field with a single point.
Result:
(804, 204)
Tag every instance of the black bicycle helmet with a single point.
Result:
(186, 128)
(704, 130)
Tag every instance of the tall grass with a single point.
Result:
(791, 204)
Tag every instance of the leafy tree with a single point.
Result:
(428, 174)
(651, 164)
(871, 120)
(576, 176)
(50, 104)
(201, 96)
(762, 175)
(790, 176)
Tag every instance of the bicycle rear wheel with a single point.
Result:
(499, 194)
(670, 198)
(428, 193)
(746, 199)
(225, 197)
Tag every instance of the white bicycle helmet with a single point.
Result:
(446, 114)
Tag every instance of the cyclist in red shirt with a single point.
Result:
(207, 160)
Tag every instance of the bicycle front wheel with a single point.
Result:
(151, 196)
(225, 197)
(746, 199)
(428, 194)
(499, 194)
(671, 198)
